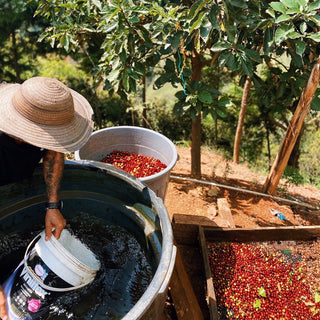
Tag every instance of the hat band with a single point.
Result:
(39, 115)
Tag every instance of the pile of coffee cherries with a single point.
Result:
(250, 283)
(136, 164)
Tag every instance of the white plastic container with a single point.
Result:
(49, 269)
(137, 140)
(69, 258)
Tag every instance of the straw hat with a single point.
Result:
(45, 113)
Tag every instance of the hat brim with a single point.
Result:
(61, 138)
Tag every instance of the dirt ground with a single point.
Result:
(248, 210)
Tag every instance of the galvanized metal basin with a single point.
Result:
(112, 195)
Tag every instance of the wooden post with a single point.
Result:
(293, 131)
(185, 301)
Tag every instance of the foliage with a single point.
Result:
(125, 39)
(293, 176)
(310, 157)
(18, 40)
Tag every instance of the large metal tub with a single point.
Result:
(91, 185)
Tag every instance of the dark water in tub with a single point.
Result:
(125, 274)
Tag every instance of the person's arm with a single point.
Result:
(3, 310)
(53, 164)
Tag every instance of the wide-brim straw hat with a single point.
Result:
(45, 113)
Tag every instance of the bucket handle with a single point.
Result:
(44, 286)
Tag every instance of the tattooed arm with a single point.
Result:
(53, 164)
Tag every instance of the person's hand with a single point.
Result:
(54, 220)
(3, 310)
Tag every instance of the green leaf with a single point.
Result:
(133, 74)
(139, 68)
(195, 8)
(283, 17)
(315, 37)
(246, 65)
(257, 303)
(278, 6)
(267, 41)
(271, 12)
(143, 34)
(314, 6)
(291, 3)
(220, 46)
(303, 27)
(169, 66)
(134, 19)
(220, 112)
(282, 32)
(132, 85)
(180, 95)
(253, 55)
(224, 102)
(125, 81)
(65, 42)
(262, 292)
(300, 47)
(175, 39)
(123, 56)
(205, 97)
(293, 35)
(315, 19)
(196, 24)
(214, 12)
(317, 297)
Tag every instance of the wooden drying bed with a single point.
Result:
(197, 231)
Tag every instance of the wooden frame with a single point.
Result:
(198, 230)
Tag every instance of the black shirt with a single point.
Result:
(17, 160)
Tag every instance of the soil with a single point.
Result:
(248, 210)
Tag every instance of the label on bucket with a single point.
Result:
(25, 298)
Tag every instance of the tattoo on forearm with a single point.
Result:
(53, 167)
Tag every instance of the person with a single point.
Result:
(41, 119)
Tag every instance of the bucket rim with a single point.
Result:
(28, 251)
(146, 130)
(68, 255)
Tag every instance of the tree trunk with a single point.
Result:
(293, 131)
(196, 124)
(244, 103)
(268, 147)
(144, 102)
(196, 148)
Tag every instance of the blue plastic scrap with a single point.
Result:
(278, 214)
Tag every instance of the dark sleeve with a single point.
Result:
(17, 160)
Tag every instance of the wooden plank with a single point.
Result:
(225, 212)
(186, 231)
(185, 228)
(262, 234)
(182, 293)
(211, 296)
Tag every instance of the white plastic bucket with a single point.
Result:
(69, 258)
(49, 269)
(136, 140)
